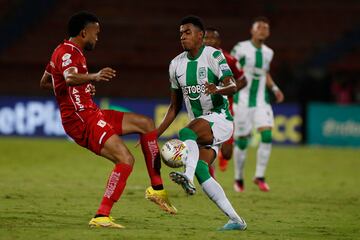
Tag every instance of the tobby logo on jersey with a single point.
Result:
(194, 92)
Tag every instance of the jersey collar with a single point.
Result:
(255, 46)
(74, 45)
(197, 55)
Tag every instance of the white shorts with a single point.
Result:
(221, 127)
(245, 119)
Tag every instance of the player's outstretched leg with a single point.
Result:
(145, 126)
(185, 179)
(263, 156)
(115, 150)
(156, 192)
(114, 189)
(216, 193)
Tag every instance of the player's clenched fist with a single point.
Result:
(105, 74)
(210, 88)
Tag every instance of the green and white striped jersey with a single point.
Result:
(191, 74)
(255, 63)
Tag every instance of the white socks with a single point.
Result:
(215, 192)
(192, 159)
(239, 162)
(263, 155)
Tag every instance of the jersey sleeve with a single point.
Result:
(69, 58)
(172, 76)
(236, 52)
(219, 66)
(48, 68)
(270, 60)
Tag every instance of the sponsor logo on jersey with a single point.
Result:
(224, 67)
(77, 99)
(66, 59)
(193, 92)
(88, 88)
(101, 123)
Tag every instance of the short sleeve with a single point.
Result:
(238, 55)
(235, 51)
(270, 59)
(48, 68)
(69, 58)
(219, 66)
(172, 76)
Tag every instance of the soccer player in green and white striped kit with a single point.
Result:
(201, 77)
(251, 104)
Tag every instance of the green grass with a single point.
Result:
(49, 189)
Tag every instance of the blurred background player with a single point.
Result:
(195, 77)
(96, 129)
(212, 38)
(251, 104)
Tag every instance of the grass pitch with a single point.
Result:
(49, 189)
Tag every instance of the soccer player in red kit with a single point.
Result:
(212, 38)
(96, 129)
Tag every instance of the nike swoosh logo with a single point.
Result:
(179, 76)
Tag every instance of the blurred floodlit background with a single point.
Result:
(316, 62)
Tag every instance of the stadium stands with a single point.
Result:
(140, 38)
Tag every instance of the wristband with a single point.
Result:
(275, 88)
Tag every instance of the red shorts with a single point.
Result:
(92, 128)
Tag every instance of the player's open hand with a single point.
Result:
(210, 88)
(105, 74)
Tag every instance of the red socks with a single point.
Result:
(114, 188)
(150, 148)
(121, 172)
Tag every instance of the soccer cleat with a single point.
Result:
(234, 225)
(104, 222)
(239, 186)
(223, 163)
(184, 181)
(263, 186)
(160, 197)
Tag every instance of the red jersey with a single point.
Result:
(238, 73)
(71, 99)
(231, 61)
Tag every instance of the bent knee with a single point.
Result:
(146, 123)
(123, 158)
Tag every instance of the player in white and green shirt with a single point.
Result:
(251, 104)
(201, 77)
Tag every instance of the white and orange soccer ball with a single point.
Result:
(174, 153)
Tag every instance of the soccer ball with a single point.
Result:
(174, 153)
